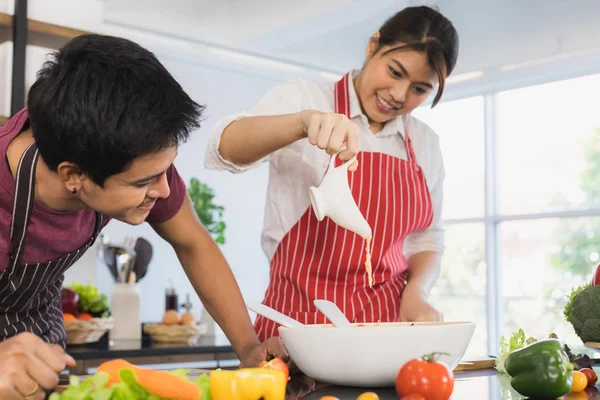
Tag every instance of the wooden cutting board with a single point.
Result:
(475, 363)
(592, 345)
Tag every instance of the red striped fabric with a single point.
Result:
(321, 260)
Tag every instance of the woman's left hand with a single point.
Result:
(414, 307)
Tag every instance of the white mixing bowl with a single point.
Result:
(371, 356)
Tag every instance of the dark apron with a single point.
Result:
(30, 294)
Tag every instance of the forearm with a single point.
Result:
(423, 272)
(217, 288)
(250, 139)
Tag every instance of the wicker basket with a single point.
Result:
(81, 332)
(174, 333)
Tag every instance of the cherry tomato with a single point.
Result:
(590, 375)
(579, 382)
(278, 364)
(413, 396)
(425, 376)
(368, 396)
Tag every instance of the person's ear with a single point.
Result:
(71, 176)
(372, 45)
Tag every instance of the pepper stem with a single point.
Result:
(433, 357)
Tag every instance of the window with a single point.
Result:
(538, 275)
(460, 125)
(547, 141)
(460, 293)
(540, 236)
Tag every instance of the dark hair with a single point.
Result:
(425, 30)
(101, 102)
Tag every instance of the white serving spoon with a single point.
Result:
(333, 313)
(274, 315)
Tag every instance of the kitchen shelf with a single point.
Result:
(39, 33)
(3, 120)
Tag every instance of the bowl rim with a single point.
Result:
(383, 325)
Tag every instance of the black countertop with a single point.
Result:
(105, 348)
(468, 385)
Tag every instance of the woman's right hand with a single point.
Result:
(28, 365)
(331, 132)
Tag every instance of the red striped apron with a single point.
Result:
(321, 260)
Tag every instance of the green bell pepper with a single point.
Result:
(541, 369)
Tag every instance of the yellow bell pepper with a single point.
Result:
(248, 384)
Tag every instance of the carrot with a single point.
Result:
(159, 383)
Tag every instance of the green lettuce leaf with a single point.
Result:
(94, 388)
(516, 341)
(203, 382)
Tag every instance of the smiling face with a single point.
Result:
(130, 195)
(393, 84)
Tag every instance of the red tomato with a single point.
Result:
(590, 374)
(278, 364)
(413, 396)
(84, 317)
(596, 278)
(427, 377)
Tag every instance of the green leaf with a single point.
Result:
(181, 372)
(209, 213)
(568, 310)
(516, 341)
(203, 382)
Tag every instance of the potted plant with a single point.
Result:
(210, 214)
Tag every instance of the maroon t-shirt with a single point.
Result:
(52, 234)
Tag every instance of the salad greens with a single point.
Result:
(517, 340)
(95, 387)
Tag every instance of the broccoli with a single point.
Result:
(568, 310)
(585, 313)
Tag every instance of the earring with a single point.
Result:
(74, 190)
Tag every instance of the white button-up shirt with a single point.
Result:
(293, 169)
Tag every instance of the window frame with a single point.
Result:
(492, 218)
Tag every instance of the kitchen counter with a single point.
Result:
(485, 384)
(206, 352)
(476, 385)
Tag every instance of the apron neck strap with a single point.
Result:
(23, 203)
(342, 96)
(342, 106)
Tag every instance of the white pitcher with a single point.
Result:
(333, 199)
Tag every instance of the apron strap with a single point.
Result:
(342, 96)
(23, 203)
(342, 106)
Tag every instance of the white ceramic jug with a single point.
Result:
(333, 199)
